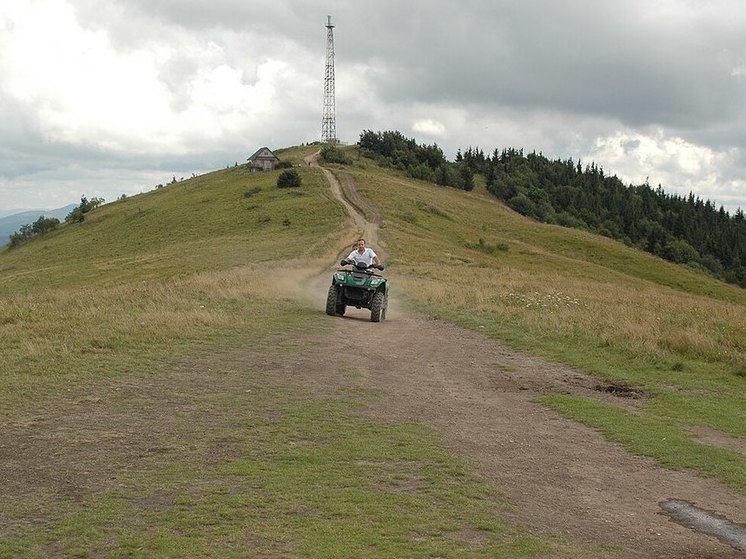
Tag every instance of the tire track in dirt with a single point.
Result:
(366, 229)
(344, 189)
(563, 478)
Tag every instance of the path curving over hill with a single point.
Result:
(564, 479)
(365, 215)
(353, 202)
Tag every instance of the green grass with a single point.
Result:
(200, 224)
(677, 335)
(162, 283)
(196, 269)
(654, 436)
(69, 336)
(151, 275)
(308, 479)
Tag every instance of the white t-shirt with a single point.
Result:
(367, 256)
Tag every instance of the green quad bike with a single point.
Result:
(359, 287)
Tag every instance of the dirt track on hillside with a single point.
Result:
(563, 478)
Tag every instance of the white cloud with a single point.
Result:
(680, 166)
(429, 127)
(96, 90)
(84, 92)
(88, 92)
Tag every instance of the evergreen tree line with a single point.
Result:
(424, 162)
(682, 229)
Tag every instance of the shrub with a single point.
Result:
(522, 205)
(44, 224)
(289, 179)
(712, 264)
(86, 205)
(332, 154)
(567, 220)
(680, 251)
(39, 227)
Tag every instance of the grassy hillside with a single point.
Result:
(215, 262)
(157, 271)
(211, 222)
(646, 327)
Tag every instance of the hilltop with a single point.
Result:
(534, 391)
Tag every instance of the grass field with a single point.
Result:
(200, 267)
(672, 334)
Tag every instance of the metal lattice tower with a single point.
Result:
(328, 118)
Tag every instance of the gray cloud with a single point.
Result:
(647, 89)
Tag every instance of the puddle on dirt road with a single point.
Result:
(706, 522)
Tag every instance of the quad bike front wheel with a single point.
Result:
(332, 307)
(378, 307)
(331, 301)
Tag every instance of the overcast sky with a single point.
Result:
(110, 97)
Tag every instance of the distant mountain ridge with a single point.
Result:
(12, 223)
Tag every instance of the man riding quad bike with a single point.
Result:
(358, 286)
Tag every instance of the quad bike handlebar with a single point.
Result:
(361, 265)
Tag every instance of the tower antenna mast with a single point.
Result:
(328, 118)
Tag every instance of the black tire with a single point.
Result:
(341, 310)
(331, 301)
(377, 306)
(385, 306)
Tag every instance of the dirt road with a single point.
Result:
(563, 478)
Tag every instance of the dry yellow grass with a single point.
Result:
(144, 278)
(658, 321)
(462, 254)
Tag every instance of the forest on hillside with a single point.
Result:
(683, 229)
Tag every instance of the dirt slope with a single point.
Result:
(563, 478)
